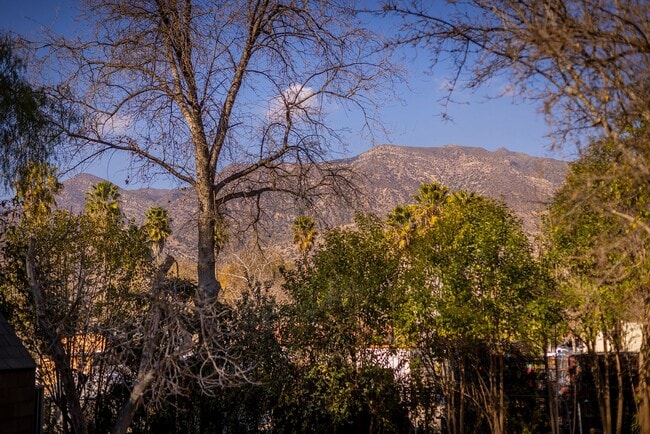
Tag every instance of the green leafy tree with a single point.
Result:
(340, 332)
(475, 291)
(35, 191)
(597, 243)
(28, 132)
(584, 60)
(54, 274)
(112, 332)
(81, 287)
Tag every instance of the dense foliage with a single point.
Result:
(29, 119)
(597, 246)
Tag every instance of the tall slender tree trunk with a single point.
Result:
(495, 394)
(461, 398)
(551, 396)
(601, 379)
(619, 396)
(448, 379)
(491, 401)
(454, 390)
(502, 396)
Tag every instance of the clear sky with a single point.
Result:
(479, 119)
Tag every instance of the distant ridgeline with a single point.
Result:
(387, 176)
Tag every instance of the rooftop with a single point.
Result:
(13, 354)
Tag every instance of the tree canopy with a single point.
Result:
(28, 132)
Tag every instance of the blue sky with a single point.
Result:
(479, 119)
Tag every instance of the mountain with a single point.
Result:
(524, 183)
(388, 176)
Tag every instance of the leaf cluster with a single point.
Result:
(28, 116)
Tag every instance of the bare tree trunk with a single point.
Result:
(146, 370)
(601, 380)
(495, 399)
(207, 279)
(448, 389)
(448, 380)
(502, 397)
(127, 412)
(455, 391)
(491, 401)
(461, 399)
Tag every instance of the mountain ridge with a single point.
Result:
(390, 175)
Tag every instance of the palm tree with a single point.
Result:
(463, 197)
(431, 195)
(416, 219)
(402, 222)
(304, 234)
(103, 202)
(157, 225)
(429, 202)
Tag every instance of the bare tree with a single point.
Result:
(178, 343)
(229, 98)
(586, 62)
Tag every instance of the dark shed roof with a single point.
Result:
(13, 354)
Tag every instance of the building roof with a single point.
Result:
(13, 354)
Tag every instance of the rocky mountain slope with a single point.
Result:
(524, 183)
(388, 176)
